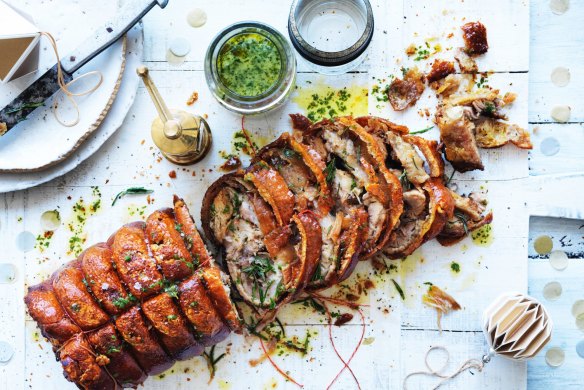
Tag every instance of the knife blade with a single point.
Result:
(45, 86)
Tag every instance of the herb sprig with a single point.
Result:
(330, 169)
(132, 191)
(212, 361)
(423, 130)
(25, 107)
(399, 290)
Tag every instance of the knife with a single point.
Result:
(46, 85)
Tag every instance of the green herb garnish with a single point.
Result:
(454, 266)
(311, 302)
(330, 170)
(489, 108)
(131, 191)
(422, 131)
(111, 350)
(399, 289)
(25, 107)
(172, 290)
(212, 361)
(259, 267)
(122, 303)
(463, 219)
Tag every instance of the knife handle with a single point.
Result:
(104, 36)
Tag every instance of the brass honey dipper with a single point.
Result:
(183, 138)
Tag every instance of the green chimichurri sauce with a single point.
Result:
(249, 64)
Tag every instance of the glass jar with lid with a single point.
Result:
(332, 36)
(250, 68)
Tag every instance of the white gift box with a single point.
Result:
(19, 44)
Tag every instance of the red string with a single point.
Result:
(288, 377)
(351, 305)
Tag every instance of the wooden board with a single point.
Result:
(398, 332)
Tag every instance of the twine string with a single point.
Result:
(64, 87)
(439, 372)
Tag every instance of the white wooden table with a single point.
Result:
(397, 337)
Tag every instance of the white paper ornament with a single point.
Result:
(517, 326)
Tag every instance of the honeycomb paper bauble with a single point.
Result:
(517, 326)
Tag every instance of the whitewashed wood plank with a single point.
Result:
(500, 373)
(12, 373)
(555, 41)
(570, 156)
(566, 235)
(565, 334)
(505, 22)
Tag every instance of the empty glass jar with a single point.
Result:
(331, 35)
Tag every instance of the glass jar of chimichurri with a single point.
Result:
(250, 68)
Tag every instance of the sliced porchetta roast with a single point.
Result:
(468, 216)
(130, 307)
(365, 193)
(417, 164)
(270, 259)
(304, 176)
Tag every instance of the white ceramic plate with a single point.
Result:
(113, 120)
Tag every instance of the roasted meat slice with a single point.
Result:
(380, 126)
(441, 207)
(219, 290)
(69, 287)
(490, 133)
(44, 307)
(457, 134)
(427, 209)
(209, 328)
(431, 152)
(122, 366)
(357, 174)
(475, 38)
(145, 347)
(103, 281)
(190, 234)
(299, 259)
(467, 217)
(458, 227)
(451, 84)
(273, 189)
(303, 175)
(83, 367)
(351, 241)
(174, 333)
(264, 268)
(167, 245)
(405, 93)
(408, 157)
(131, 257)
(440, 69)
(300, 122)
